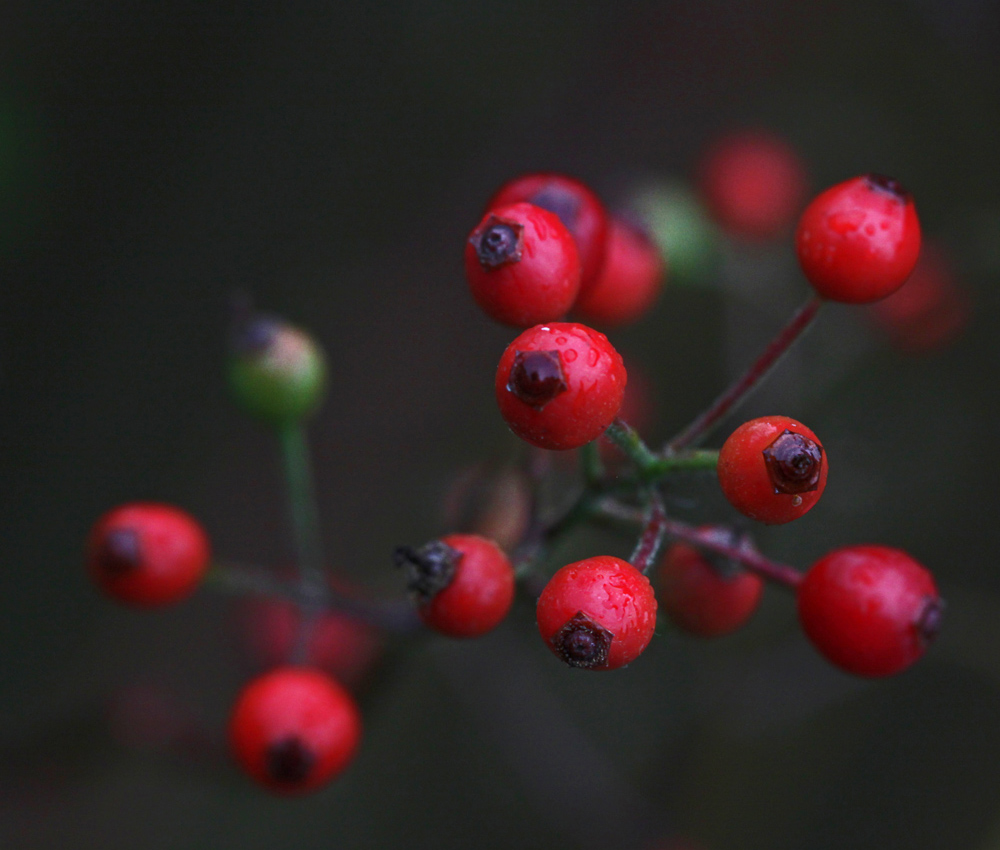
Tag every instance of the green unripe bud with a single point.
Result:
(277, 373)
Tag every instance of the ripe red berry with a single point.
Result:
(294, 729)
(560, 385)
(772, 469)
(522, 265)
(871, 610)
(706, 598)
(928, 311)
(339, 644)
(859, 240)
(147, 554)
(598, 614)
(463, 584)
(628, 282)
(753, 183)
(577, 207)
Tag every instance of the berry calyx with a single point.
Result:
(294, 729)
(859, 240)
(577, 207)
(870, 610)
(462, 584)
(753, 183)
(772, 469)
(702, 595)
(597, 614)
(629, 281)
(560, 385)
(277, 373)
(522, 265)
(147, 554)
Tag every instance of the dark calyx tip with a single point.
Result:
(537, 377)
(794, 463)
(498, 242)
(289, 761)
(929, 620)
(253, 335)
(888, 184)
(560, 201)
(429, 569)
(583, 643)
(121, 551)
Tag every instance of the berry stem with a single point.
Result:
(628, 440)
(740, 389)
(652, 536)
(699, 460)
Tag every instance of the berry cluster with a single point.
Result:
(546, 247)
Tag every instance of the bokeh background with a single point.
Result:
(329, 158)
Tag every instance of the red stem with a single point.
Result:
(652, 536)
(741, 388)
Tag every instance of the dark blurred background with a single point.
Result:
(330, 159)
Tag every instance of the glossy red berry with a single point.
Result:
(704, 597)
(598, 614)
(772, 469)
(522, 265)
(753, 183)
(629, 281)
(871, 610)
(147, 554)
(859, 240)
(463, 584)
(560, 385)
(294, 729)
(577, 207)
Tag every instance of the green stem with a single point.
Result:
(628, 440)
(692, 460)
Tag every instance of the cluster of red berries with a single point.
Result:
(545, 247)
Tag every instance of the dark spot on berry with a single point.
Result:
(537, 377)
(794, 463)
(498, 242)
(583, 643)
(289, 761)
(428, 570)
(928, 622)
(887, 184)
(560, 201)
(120, 551)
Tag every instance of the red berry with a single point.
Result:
(147, 554)
(928, 311)
(560, 385)
(338, 644)
(576, 205)
(598, 614)
(753, 183)
(859, 240)
(772, 469)
(522, 265)
(702, 598)
(463, 584)
(629, 281)
(294, 729)
(871, 610)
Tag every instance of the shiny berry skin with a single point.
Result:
(859, 240)
(772, 469)
(522, 265)
(463, 584)
(753, 183)
(871, 610)
(597, 614)
(560, 385)
(700, 597)
(294, 729)
(147, 554)
(629, 281)
(577, 207)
